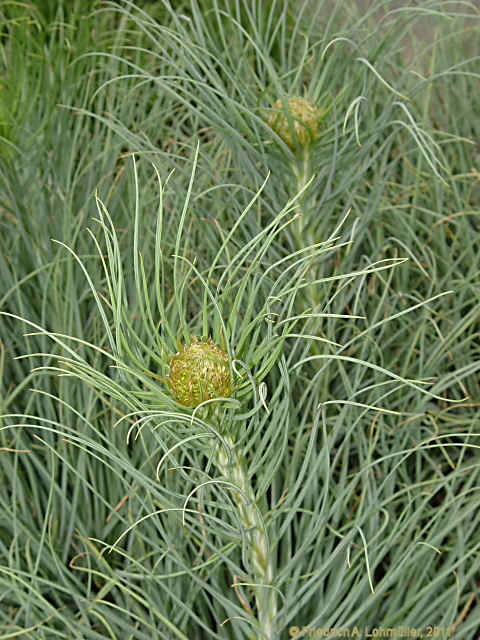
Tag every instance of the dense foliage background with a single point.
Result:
(343, 277)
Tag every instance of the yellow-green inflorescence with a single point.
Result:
(297, 116)
(198, 372)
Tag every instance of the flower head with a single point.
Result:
(199, 372)
(302, 117)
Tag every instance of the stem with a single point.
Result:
(261, 571)
(307, 296)
(301, 171)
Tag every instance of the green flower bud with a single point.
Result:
(303, 118)
(199, 372)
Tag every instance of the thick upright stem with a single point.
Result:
(261, 570)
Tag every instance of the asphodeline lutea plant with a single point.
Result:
(210, 361)
(200, 372)
(298, 122)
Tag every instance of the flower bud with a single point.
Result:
(303, 118)
(199, 372)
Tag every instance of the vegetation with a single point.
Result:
(239, 338)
